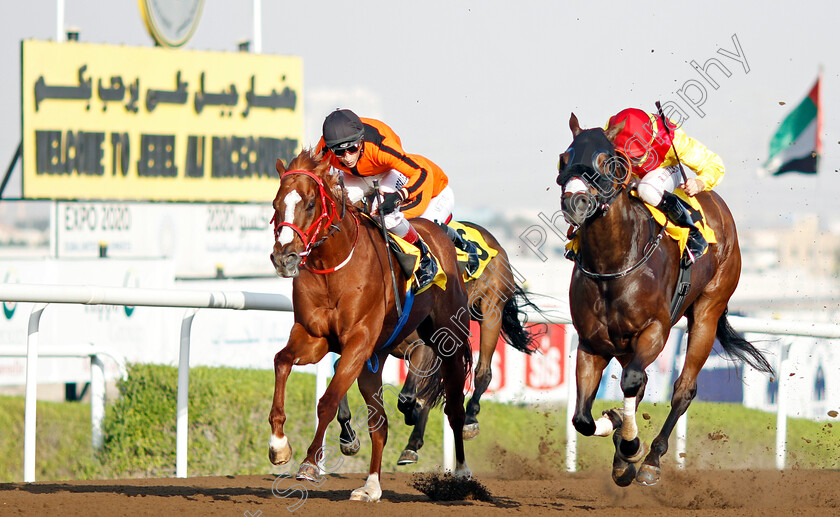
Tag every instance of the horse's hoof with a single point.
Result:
(366, 494)
(470, 431)
(279, 450)
(407, 457)
(370, 493)
(352, 448)
(648, 475)
(308, 472)
(623, 473)
(462, 471)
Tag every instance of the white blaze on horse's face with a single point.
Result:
(290, 201)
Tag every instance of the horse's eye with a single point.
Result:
(311, 206)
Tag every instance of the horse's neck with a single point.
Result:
(616, 237)
(338, 246)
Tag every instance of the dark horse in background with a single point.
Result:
(620, 295)
(497, 303)
(344, 302)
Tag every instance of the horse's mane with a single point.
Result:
(311, 160)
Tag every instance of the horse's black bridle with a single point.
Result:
(592, 158)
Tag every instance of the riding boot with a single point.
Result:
(428, 267)
(464, 245)
(677, 211)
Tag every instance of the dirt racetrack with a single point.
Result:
(689, 493)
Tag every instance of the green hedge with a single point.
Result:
(229, 431)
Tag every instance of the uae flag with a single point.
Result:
(796, 146)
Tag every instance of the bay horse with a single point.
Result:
(620, 294)
(497, 303)
(344, 302)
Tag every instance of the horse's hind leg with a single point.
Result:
(490, 328)
(454, 371)
(348, 441)
(420, 362)
(415, 441)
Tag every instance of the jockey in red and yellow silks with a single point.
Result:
(650, 148)
(411, 185)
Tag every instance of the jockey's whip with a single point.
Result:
(668, 130)
(387, 251)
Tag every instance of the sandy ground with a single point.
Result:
(689, 493)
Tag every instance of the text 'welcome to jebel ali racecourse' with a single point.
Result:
(104, 122)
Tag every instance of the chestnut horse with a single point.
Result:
(497, 303)
(344, 302)
(621, 289)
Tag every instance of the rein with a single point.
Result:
(650, 247)
(308, 236)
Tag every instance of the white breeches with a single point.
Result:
(657, 182)
(358, 187)
(651, 188)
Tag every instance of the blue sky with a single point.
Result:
(485, 88)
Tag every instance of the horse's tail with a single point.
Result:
(736, 346)
(513, 319)
(431, 388)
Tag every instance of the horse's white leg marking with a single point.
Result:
(462, 471)
(287, 234)
(370, 493)
(281, 448)
(603, 426)
(629, 431)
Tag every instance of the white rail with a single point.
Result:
(97, 377)
(41, 295)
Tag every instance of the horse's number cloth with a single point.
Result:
(677, 233)
(485, 252)
(411, 249)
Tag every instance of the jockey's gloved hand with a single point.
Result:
(390, 201)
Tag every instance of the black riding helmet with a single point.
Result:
(342, 128)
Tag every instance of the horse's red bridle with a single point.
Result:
(309, 236)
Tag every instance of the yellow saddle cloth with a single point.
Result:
(677, 233)
(411, 249)
(485, 252)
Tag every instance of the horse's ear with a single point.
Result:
(614, 130)
(279, 166)
(574, 125)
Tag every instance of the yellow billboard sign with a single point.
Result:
(104, 122)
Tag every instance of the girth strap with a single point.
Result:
(683, 286)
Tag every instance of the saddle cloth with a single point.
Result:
(677, 233)
(400, 245)
(410, 249)
(485, 252)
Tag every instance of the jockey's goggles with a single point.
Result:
(352, 148)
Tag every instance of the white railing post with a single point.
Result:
(781, 407)
(182, 429)
(571, 386)
(448, 446)
(97, 400)
(682, 438)
(682, 422)
(30, 409)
